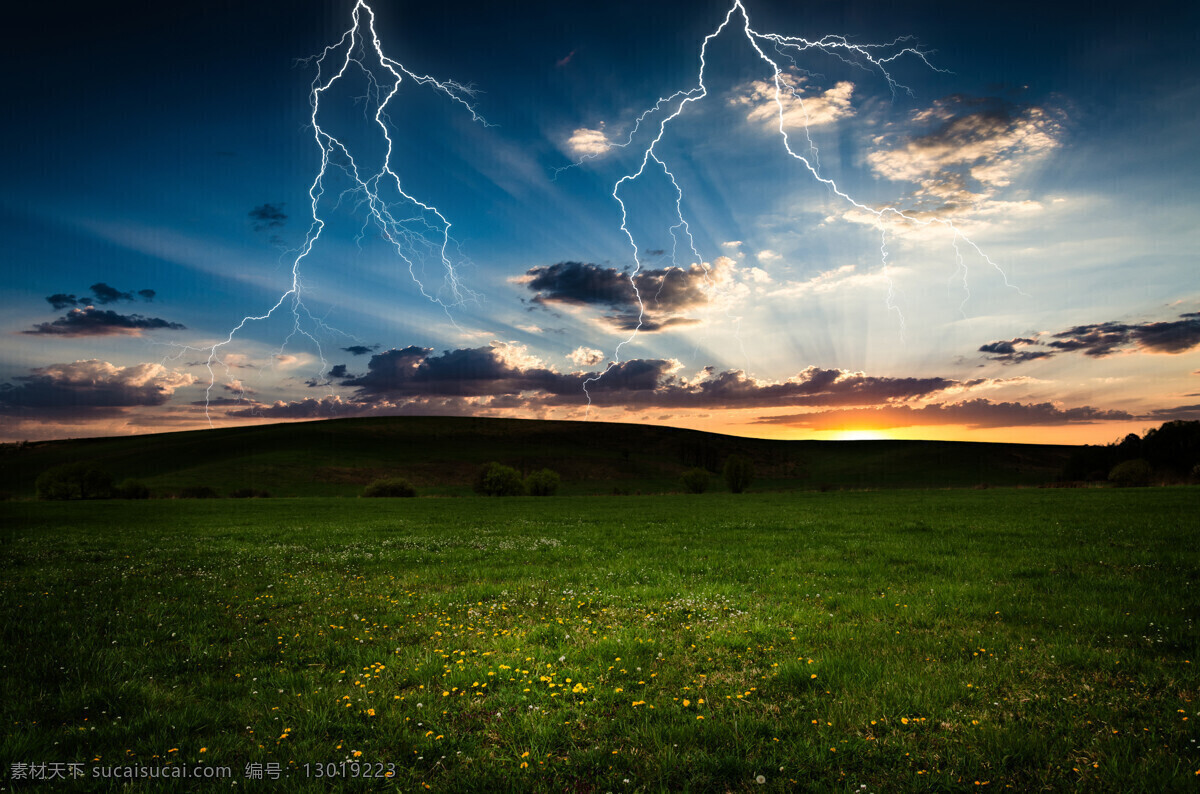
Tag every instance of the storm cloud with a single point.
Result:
(90, 321)
(1099, 340)
(667, 293)
(102, 294)
(92, 384)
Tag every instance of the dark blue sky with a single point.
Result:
(141, 138)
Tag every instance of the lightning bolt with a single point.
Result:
(416, 230)
(872, 58)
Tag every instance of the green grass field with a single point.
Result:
(897, 640)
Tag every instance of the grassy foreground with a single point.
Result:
(902, 640)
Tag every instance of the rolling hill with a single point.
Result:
(440, 455)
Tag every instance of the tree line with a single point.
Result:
(1170, 453)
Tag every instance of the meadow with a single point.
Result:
(904, 640)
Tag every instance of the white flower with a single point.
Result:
(760, 780)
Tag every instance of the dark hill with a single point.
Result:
(440, 455)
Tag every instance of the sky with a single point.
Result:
(828, 220)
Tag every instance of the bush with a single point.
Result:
(542, 483)
(249, 493)
(495, 479)
(197, 492)
(74, 481)
(739, 472)
(695, 480)
(1131, 473)
(131, 489)
(390, 487)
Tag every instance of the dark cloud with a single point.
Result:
(667, 293)
(1184, 412)
(91, 385)
(1099, 340)
(466, 372)
(61, 300)
(268, 216)
(106, 294)
(360, 350)
(102, 294)
(1006, 348)
(973, 413)
(91, 321)
(338, 371)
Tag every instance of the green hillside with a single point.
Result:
(440, 455)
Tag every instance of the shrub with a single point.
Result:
(390, 487)
(695, 480)
(496, 479)
(738, 472)
(249, 493)
(197, 492)
(74, 481)
(542, 483)
(131, 489)
(1131, 473)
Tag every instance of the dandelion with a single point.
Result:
(760, 780)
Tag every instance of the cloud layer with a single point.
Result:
(976, 413)
(501, 375)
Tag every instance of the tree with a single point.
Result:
(131, 489)
(1174, 446)
(496, 479)
(1131, 473)
(390, 487)
(74, 481)
(695, 480)
(738, 472)
(542, 483)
